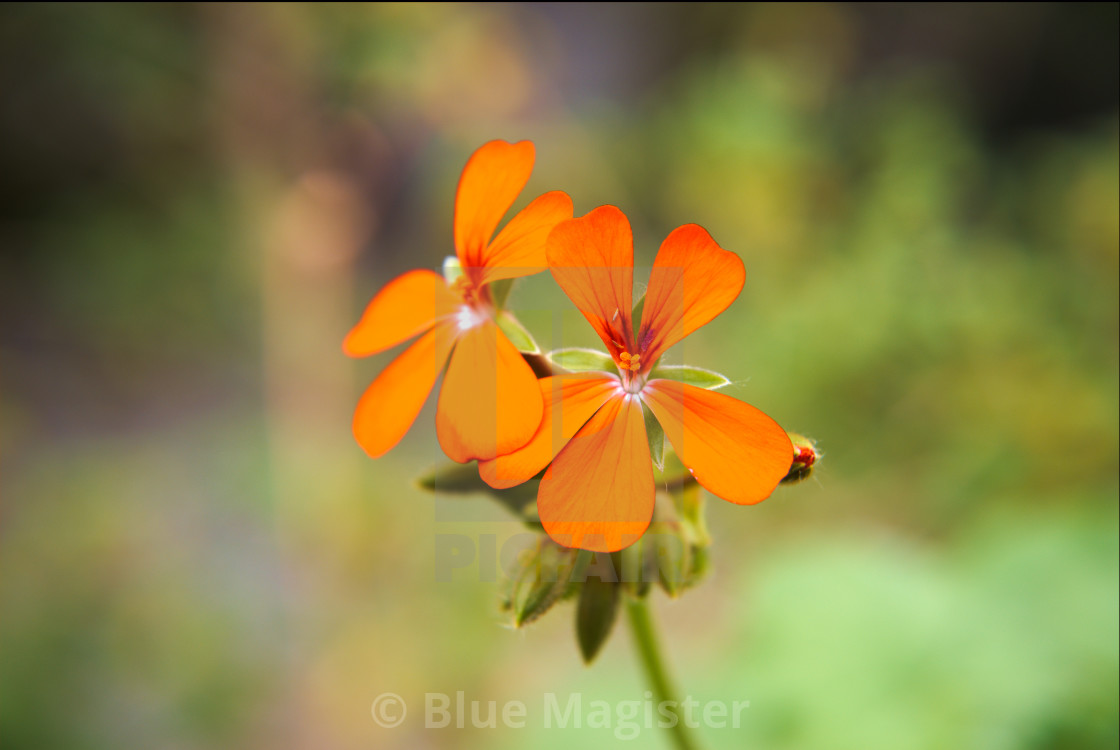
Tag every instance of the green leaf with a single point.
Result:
(452, 270)
(463, 479)
(499, 292)
(696, 376)
(596, 615)
(579, 360)
(656, 437)
(517, 334)
(636, 315)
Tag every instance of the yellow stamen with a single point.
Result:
(628, 361)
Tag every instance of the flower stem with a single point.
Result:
(649, 651)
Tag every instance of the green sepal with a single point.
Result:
(674, 472)
(637, 575)
(499, 292)
(516, 333)
(581, 360)
(699, 566)
(463, 479)
(636, 315)
(688, 501)
(656, 437)
(671, 554)
(697, 376)
(543, 579)
(691, 526)
(595, 615)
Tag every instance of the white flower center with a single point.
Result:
(467, 318)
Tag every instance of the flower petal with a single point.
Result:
(569, 401)
(408, 305)
(518, 250)
(598, 492)
(732, 449)
(491, 181)
(390, 405)
(693, 280)
(489, 403)
(592, 259)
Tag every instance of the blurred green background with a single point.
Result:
(197, 202)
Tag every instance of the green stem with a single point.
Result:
(641, 627)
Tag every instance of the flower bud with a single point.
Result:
(669, 555)
(544, 573)
(805, 455)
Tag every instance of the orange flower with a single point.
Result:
(598, 492)
(458, 321)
